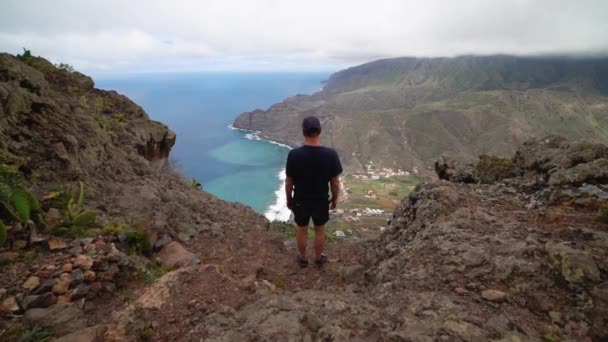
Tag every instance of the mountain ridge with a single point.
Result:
(406, 112)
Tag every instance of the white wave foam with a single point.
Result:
(255, 135)
(279, 211)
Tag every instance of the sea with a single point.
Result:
(233, 164)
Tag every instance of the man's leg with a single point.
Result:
(319, 240)
(301, 239)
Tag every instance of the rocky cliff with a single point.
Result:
(91, 208)
(58, 129)
(516, 252)
(406, 112)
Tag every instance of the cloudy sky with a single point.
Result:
(171, 35)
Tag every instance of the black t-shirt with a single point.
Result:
(311, 168)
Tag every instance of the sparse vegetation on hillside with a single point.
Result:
(76, 220)
(602, 214)
(194, 184)
(491, 169)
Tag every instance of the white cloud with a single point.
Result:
(284, 34)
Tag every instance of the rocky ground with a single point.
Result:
(505, 250)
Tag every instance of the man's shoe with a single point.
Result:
(321, 260)
(302, 261)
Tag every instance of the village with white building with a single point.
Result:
(368, 198)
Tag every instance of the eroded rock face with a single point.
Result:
(526, 242)
(55, 124)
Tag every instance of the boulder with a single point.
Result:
(55, 244)
(493, 295)
(63, 284)
(576, 266)
(89, 276)
(10, 305)
(175, 255)
(67, 268)
(351, 273)
(79, 292)
(46, 286)
(83, 261)
(77, 277)
(31, 283)
(450, 170)
(161, 242)
(62, 319)
(39, 301)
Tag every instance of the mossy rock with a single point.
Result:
(576, 266)
(492, 169)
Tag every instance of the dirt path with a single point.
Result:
(239, 270)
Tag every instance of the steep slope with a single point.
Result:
(521, 259)
(58, 129)
(92, 207)
(406, 112)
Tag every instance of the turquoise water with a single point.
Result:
(199, 107)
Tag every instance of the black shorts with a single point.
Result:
(318, 210)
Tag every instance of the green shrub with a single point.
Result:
(119, 118)
(2, 234)
(284, 228)
(194, 184)
(26, 54)
(73, 232)
(153, 272)
(98, 105)
(15, 331)
(491, 169)
(36, 334)
(65, 67)
(76, 215)
(114, 228)
(57, 199)
(76, 220)
(138, 244)
(602, 214)
(125, 295)
(147, 331)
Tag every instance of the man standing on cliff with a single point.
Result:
(310, 169)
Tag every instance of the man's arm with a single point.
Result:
(335, 191)
(289, 192)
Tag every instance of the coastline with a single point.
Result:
(278, 210)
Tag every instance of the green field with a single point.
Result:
(388, 191)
